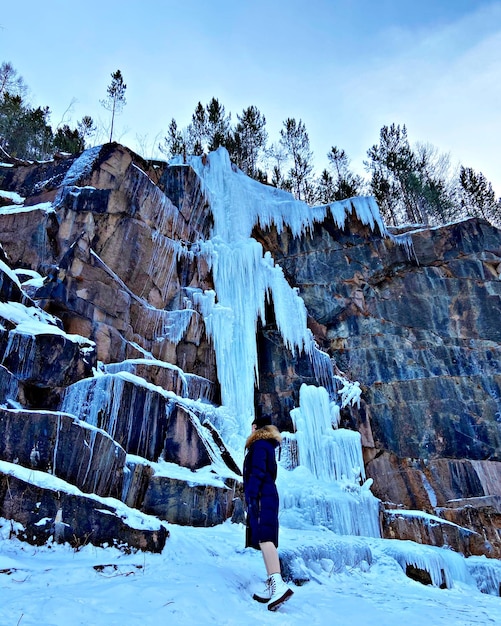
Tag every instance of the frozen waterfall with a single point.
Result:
(326, 485)
(245, 278)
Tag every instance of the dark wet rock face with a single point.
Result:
(418, 326)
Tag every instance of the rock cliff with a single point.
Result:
(414, 318)
(110, 379)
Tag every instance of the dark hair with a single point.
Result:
(262, 420)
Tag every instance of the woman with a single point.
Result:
(261, 496)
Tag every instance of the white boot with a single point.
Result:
(265, 595)
(279, 592)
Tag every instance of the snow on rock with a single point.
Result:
(27, 316)
(444, 566)
(133, 517)
(14, 197)
(10, 273)
(31, 320)
(46, 207)
(81, 167)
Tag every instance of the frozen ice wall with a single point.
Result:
(328, 485)
(245, 277)
(328, 452)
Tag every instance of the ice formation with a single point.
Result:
(328, 487)
(443, 565)
(329, 453)
(81, 167)
(245, 278)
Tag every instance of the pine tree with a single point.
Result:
(409, 185)
(276, 159)
(174, 143)
(197, 131)
(68, 140)
(209, 128)
(296, 144)
(436, 184)
(477, 196)
(345, 183)
(11, 82)
(325, 191)
(218, 125)
(86, 128)
(25, 133)
(249, 141)
(115, 99)
(391, 164)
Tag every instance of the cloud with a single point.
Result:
(444, 84)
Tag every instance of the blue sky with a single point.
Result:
(345, 67)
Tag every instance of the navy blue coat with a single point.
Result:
(261, 495)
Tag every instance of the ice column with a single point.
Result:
(327, 487)
(329, 453)
(244, 277)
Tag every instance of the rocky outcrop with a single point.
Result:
(435, 531)
(413, 317)
(61, 513)
(64, 447)
(190, 504)
(39, 356)
(116, 272)
(115, 243)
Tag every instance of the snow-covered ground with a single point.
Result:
(205, 576)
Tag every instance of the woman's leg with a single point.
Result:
(270, 557)
(278, 591)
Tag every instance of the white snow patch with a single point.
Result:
(14, 197)
(46, 207)
(133, 517)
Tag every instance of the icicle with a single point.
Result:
(405, 240)
(86, 398)
(59, 526)
(131, 366)
(244, 276)
(56, 445)
(172, 325)
(199, 388)
(92, 441)
(345, 509)
(432, 496)
(350, 393)
(289, 458)
(329, 454)
(324, 372)
(290, 310)
(332, 495)
(23, 348)
(163, 261)
(128, 473)
(443, 565)
(239, 203)
(486, 572)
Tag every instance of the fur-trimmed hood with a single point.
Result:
(269, 432)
